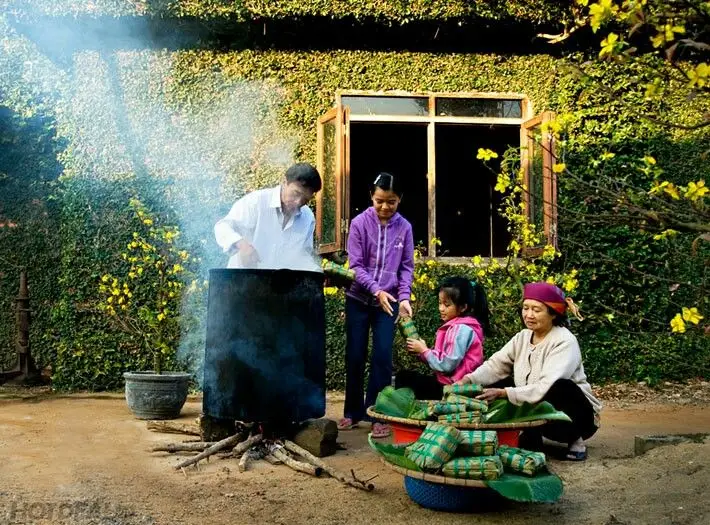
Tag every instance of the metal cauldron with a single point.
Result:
(265, 346)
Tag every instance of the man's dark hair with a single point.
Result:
(305, 174)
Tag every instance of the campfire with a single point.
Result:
(250, 445)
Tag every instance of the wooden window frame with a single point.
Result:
(343, 162)
(549, 178)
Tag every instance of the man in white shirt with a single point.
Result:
(273, 228)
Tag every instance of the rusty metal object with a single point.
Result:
(25, 371)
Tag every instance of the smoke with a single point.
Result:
(124, 114)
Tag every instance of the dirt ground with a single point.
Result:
(83, 459)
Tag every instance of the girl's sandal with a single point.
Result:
(346, 424)
(380, 430)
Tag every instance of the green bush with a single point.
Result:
(167, 126)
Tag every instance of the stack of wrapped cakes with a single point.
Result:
(469, 454)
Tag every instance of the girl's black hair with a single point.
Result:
(387, 182)
(463, 292)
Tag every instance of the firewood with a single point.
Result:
(193, 446)
(271, 459)
(354, 482)
(169, 427)
(228, 442)
(250, 454)
(298, 466)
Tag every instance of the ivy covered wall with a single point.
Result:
(190, 130)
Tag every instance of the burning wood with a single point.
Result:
(273, 451)
(232, 441)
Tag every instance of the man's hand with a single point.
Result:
(386, 301)
(405, 309)
(490, 394)
(247, 254)
(416, 346)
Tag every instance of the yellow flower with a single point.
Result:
(692, 315)
(502, 183)
(699, 75)
(161, 316)
(148, 222)
(514, 246)
(677, 324)
(105, 278)
(570, 285)
(607, 155)
(430, 263)
(600, 12)
(486, 154)
(649, 160)
(696, 190)
(548, 252)
(132, 275)
(672, 190)
(665, 234)
(477, 260)
(413, 297)
(330, 290)
(610, 45)
(559, 167)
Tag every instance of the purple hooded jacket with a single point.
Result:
(382, 257)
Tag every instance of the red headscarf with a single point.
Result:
(552, 296)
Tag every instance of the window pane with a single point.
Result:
(537, 195)
(329, 175)
(416, 106)
(478, 107)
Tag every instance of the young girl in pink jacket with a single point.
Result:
(458, 349)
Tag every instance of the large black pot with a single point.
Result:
(265, 347)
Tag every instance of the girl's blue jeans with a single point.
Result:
(360, 318)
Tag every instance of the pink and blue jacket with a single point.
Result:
(458, 349)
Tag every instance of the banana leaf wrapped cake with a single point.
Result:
(521, 461)
(468, 389)
(474, 467)
(478, 443)
(436, 446)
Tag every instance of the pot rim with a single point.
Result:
(150, 375)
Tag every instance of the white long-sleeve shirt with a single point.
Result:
(535, 368)
(258, 218)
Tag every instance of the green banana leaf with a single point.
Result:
(420, 410)
(393, 454)
(545, 487)
(503, 411)
(395, 402)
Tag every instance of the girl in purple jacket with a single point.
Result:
(381, 253)
(458, 348)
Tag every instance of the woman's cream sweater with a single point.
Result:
(535, 368)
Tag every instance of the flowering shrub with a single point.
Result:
(143, 297)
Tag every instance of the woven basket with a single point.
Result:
(472, 426)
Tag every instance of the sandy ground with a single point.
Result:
(85, 460)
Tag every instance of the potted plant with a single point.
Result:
(144, 302)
